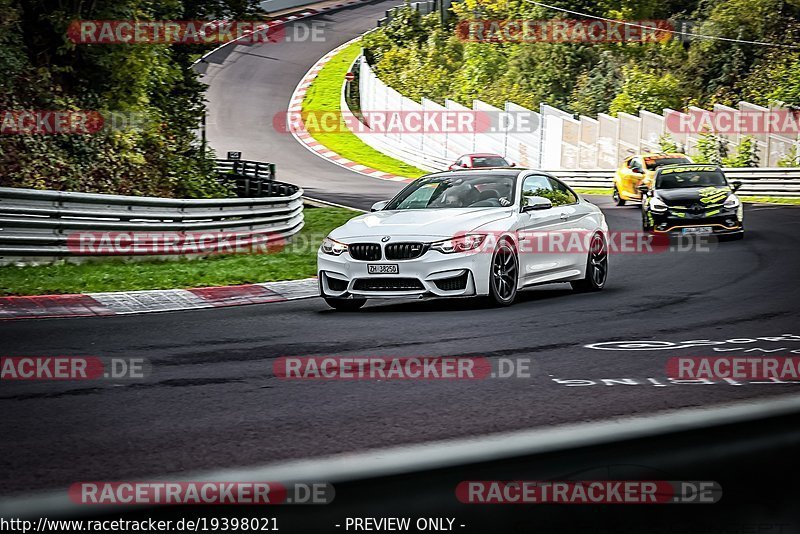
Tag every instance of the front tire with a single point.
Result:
(596, 266)
(503, 275)
(345, 304)
(618, 200)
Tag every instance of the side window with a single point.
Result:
(631, 163)
(536, 185)
(562, 194)
(466, 162)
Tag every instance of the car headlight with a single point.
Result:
(462, 243)
(332, 247)
(657, 205)
(732, 201)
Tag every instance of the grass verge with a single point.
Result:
(324, 94)
(592, 191)
(297, 260)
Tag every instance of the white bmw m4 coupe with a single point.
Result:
(476, 233)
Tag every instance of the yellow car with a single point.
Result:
(641, 169)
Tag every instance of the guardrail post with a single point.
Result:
(259, 180)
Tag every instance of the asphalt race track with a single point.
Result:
(212, 400)
(256, 84)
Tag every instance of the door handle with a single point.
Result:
(564, 216)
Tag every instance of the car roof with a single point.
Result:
(483, 155)
(490, 170)
(665, 155)
(659, 155)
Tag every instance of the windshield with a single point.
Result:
(676, 180)
(473, 191)
(654, 163)
(489, 161)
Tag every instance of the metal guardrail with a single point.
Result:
(36, 225)
(756, 181)
(252, 178)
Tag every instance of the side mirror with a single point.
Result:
(736, 185)
(534, 203)
(513, 164)
(643, 189)
(378, 206)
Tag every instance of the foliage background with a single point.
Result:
(420, 57)
(43, 70)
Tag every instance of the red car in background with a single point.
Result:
(480, 161)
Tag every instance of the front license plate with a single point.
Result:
(390, 268)
(698, 230)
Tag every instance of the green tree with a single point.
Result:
(667, 143)
(44, 70)
(597, 87)
(777, 80)
(792, 159)
(646, 90)
(711, 148)
(746, 154)
(715, 69)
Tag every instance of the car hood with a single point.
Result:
(422, 224)
(688, 195)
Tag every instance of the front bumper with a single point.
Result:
(432, 275)
(721, 221)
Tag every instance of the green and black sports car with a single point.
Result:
(692, 199)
